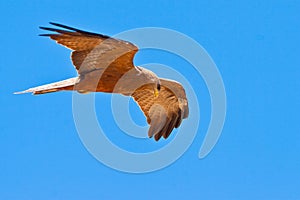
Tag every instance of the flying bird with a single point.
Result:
(105, 64)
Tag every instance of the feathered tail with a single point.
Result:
(67, 84)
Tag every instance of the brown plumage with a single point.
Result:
(105, 64)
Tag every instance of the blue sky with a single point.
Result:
(255, 45)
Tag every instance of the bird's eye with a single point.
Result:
(158, 87)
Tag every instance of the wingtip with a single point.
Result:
(45, 35)
(68, 29)
(42, 27)
(64, 26)
(157, 137)
(48, 28)
(55, 24)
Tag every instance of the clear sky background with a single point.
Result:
(255, 45)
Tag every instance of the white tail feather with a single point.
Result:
(52, 87)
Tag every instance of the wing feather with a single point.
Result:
(165, 112)
(92, 51)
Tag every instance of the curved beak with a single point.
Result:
(156, 92)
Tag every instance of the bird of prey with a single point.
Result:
(105, 64)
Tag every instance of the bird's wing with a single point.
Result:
(92, 51)
(165, 112)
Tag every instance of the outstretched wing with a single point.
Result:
(165, 112)
(92, 51)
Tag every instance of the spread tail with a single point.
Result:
(67, 84)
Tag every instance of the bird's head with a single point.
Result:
(151, 79)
